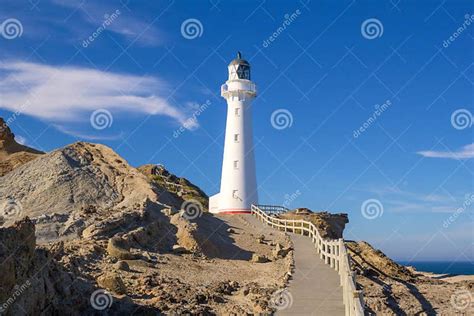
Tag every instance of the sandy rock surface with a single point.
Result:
(98, 227)
(392, 289)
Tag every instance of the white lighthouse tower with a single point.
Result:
(238, 181)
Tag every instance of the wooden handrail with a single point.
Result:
(332, 251)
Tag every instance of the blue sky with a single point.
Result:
(413, 157)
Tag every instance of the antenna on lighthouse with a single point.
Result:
(239, 55)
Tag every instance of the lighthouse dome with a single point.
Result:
(239, 60)
(239, 68)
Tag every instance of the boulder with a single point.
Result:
(122, 265)
(113, 282)
(119, 249)
(280, 252)
(179, 249)
(259, 258)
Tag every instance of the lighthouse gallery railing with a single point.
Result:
(332, 251)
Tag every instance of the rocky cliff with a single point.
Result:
(329, 225)
(392, 289)
(31, 282)
(68, 190)
(12, 154)
(83, 232)
(182, 188)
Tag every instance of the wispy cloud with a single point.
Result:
(467, 152)
(137, 30)
(92, 137)
(397, 200)
(71, 94)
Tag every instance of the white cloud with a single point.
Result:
(467, 152)
(396, 200)
(71, 94)
(92, 137)
(20, 140)
(137, 30)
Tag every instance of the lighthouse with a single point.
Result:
(238, 189)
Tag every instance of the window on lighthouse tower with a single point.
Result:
(243, 72)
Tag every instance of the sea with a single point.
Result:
(442, 267)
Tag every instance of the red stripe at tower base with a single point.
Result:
(234, 211)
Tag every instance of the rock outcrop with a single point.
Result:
(12, 154)
(392, 289)
(75, 189)
(370, 261)
(329, 225)
(31, 281)
(182, 188)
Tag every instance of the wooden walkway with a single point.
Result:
(314, 286)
